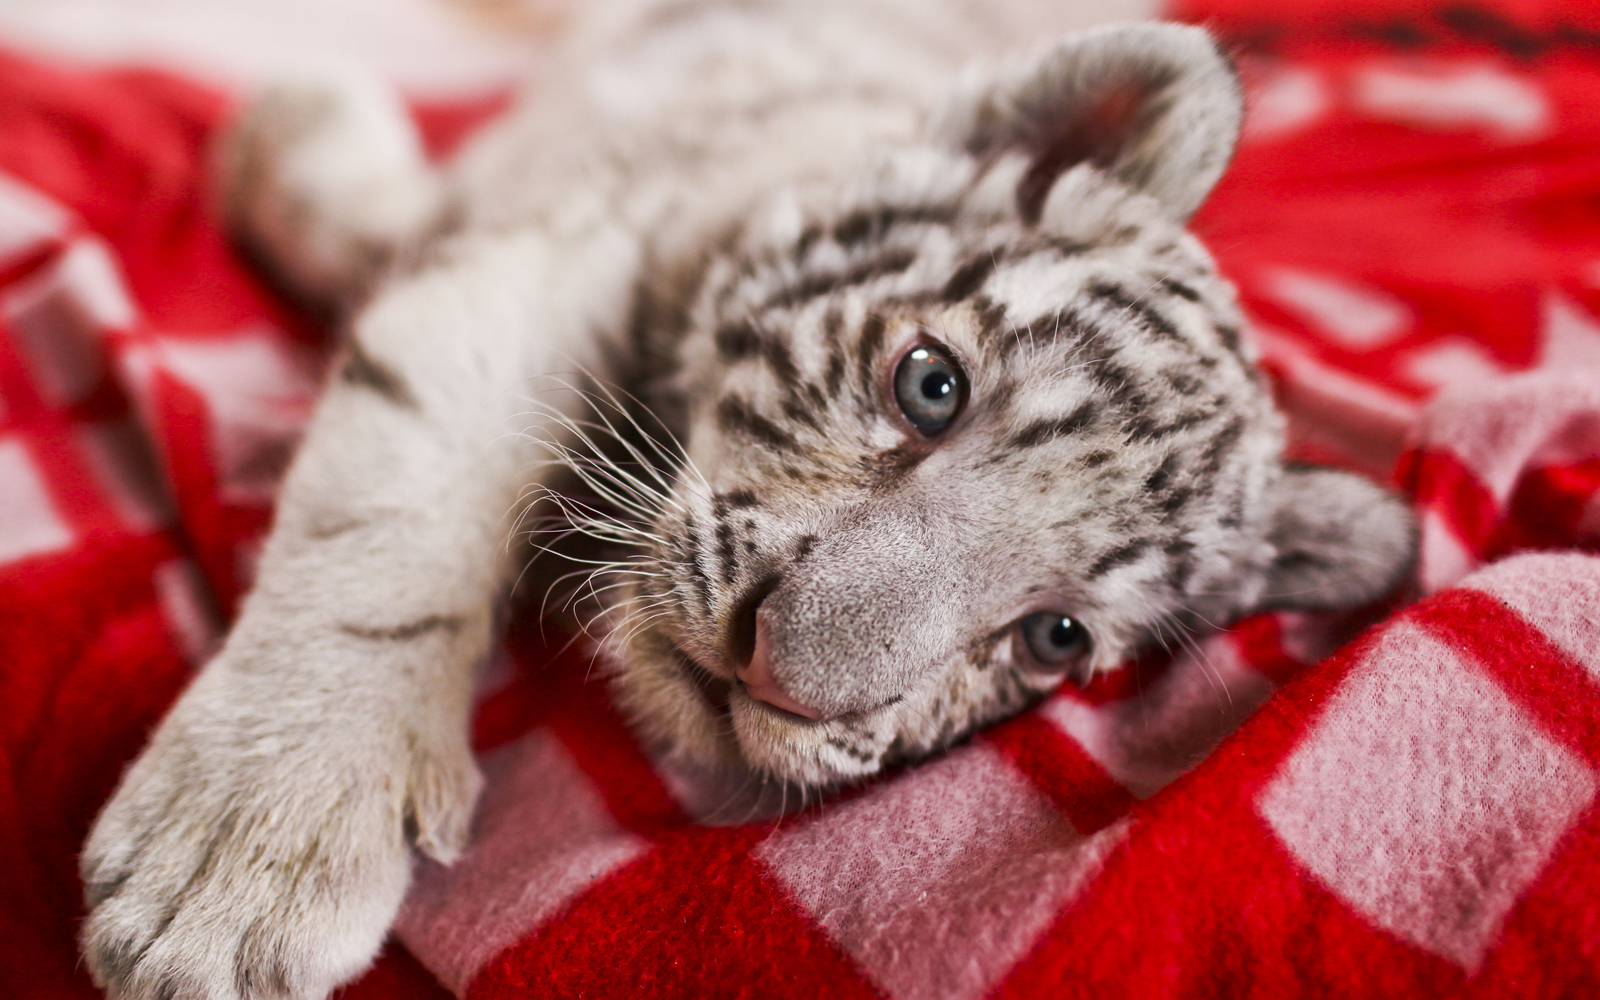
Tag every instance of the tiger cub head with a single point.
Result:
(980, 422)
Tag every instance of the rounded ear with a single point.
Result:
(1341, 540)
(1157, 106)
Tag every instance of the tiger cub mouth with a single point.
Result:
(713, 690)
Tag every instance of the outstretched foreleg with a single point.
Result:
(260, 846)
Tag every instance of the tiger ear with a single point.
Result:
(1156, 106)
(1341, 541)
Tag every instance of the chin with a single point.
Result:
(797, 750)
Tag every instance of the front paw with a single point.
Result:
(243, 858)
(325, 177)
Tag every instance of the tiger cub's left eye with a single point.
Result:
(1054, 641)
(930, 388)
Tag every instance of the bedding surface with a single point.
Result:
(1400, 802)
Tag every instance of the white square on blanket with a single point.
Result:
(938, 882)
(541, 836)
(1558, 593)
(1426, 798)
(29, 523)
(28, 220)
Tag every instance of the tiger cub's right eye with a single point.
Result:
(929, 388)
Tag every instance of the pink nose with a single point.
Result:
(762, 685)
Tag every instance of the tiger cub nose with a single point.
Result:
(759, 681)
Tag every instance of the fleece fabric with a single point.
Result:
(1400, 802)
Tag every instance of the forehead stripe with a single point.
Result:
(859, 226)
(735, 416)
(738, 340)
(872, 334)
(1145, 314)
(794, 408)
(816, 285)
(1122, 555)
(1051, 428)
(969, 277)
(741, 340)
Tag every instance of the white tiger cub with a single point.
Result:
(963, 409)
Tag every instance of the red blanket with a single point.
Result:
(1413, 224)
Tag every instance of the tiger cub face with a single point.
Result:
(984, 421)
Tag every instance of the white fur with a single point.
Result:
(259, 846)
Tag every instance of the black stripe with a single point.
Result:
(1230, 337)
(1176, 500)
(98, 891)
(991, 317)
(780, 360)
(835, 377)
(333, 529)
(1144, 427)
(848, 750)
(803, 549)
(1235, 515)
(1125, 234)
(795, 410)
(738, 341)
(808, 239)
(969, 277)
(1146, 314)
(872, 334)
(1089, 342)
(1122, 555)
(1095, 459)
(1121, 383)
(738, 498)
(697, 569)
(1051, 428)
(832, 329)
(1186, 382)
(1157, 481)
(269, 977)
(1061, 244)
(1182, 566)
(890, 468)
(725, 550)
(741, 340)
(1220, 448)
(889, 262)
(362, 369)
(410, 630)
(858, 226)
(1180, 289)
(735, 416)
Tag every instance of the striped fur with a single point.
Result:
(1118, 452)
(1118, 459)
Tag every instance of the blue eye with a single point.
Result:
(1054, 640)
(930, 388)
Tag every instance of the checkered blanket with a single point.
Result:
(1400, 802)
